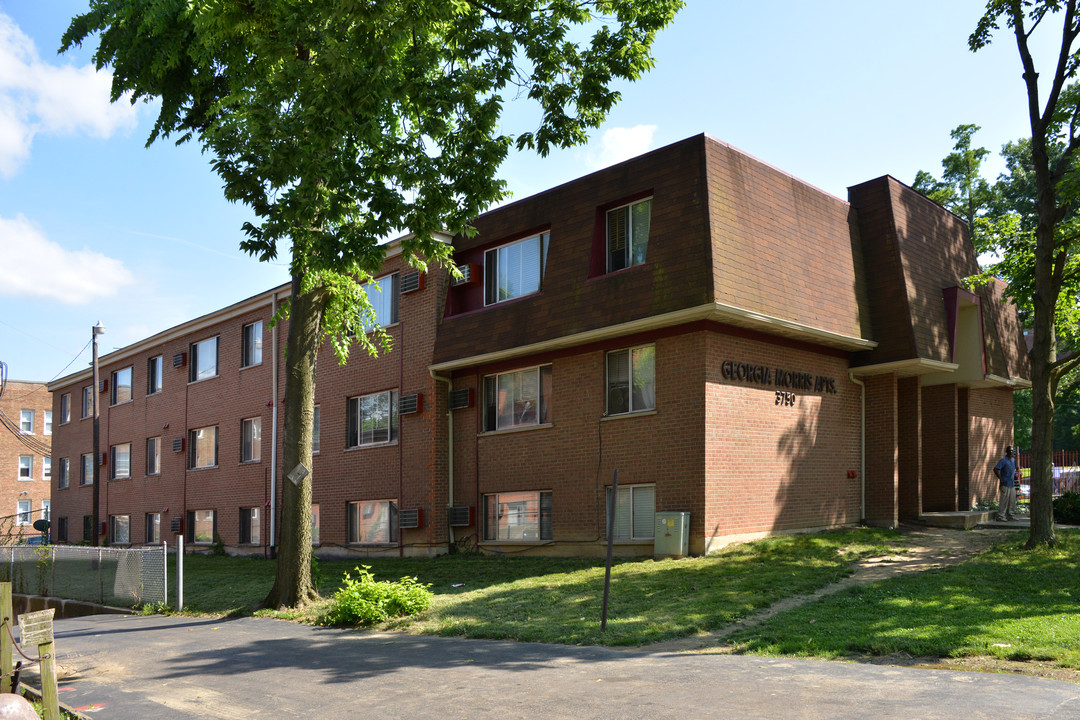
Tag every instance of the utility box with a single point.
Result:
(672, 534)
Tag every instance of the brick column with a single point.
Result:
(909, 435)
(881, 451)
(939, 448)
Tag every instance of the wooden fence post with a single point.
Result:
(6, 645)
(37, 629)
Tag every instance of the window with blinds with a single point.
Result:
(628, 234)
(635, 511)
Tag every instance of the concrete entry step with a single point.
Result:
(963, 520)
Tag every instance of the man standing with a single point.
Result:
(1006, 472)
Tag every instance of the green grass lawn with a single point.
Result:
(558, 600)
(1007, 603)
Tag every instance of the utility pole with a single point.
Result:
(98, 329)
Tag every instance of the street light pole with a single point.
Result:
(98, 329)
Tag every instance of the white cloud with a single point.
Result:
(618, 144)
(35, 266)
(36, 97)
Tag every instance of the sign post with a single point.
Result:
(6, 645)
(37, 629)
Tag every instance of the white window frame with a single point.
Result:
(118, 452)
(65, 408)
(23, 512)
(120, 529)
(637, 379)
(371, 522)
(526, 411)
(63, 480)
(153, 528)
(629, 250)
(154, 370)
(202, 368)
(382, 293)
(508, 516)
(86, 474)
(47, 429)
(46, 468)
(26, 467)
(153, 456)
(46, 509)
(250, 526)
(199, 521)
(122, 378)
(251, 440)
(26, 421)
(362, 408)
(627, 506)
(505, 265)
(251, 344)
(198, 444)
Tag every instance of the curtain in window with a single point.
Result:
(618, 382)
(639, 233)
(644, 372)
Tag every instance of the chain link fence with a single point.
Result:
(121, 577)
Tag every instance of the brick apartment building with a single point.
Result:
(25, 455)
(737, 344)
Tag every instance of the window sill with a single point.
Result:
(122, 402)
(511, 431)
(152, 394)
(370, 446)
(126, 477)
(204, 467)
(248, 367)
(151, 475)
(636, 413)
(25, 479)
(251, 462)
(202, 380)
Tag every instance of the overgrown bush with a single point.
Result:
(365, 601)
(1067, 509)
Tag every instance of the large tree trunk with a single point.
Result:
(292, 580)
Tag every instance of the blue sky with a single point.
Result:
(94, 226)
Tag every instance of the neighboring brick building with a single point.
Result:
(25, 455)
(737, 344)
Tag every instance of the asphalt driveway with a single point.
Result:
(134, 668)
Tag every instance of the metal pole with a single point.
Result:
(179, 572)
(610, 542)
(165, 572)
(98, 329)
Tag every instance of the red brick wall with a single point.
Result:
(940, 446)
(20, 396)
(774, 467)
(909, 436)
(990, 429)
(882, 459)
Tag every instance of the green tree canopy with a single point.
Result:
(340, 123)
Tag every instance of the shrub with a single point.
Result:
(1067, 509)
(364, 601)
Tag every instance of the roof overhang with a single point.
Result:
(717, 312)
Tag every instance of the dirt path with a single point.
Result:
(924, 548)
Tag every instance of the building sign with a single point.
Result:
(787, 380)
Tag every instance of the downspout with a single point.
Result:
(450, 452)
(273, 428)
(862, 446)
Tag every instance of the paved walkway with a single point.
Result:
(135, 668)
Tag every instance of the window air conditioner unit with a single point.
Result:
(461, 399)
(411, 282)
(409, 404)
(470, 273)
(178, 445)
(463, 516)
(410, 519)
(179, 360)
